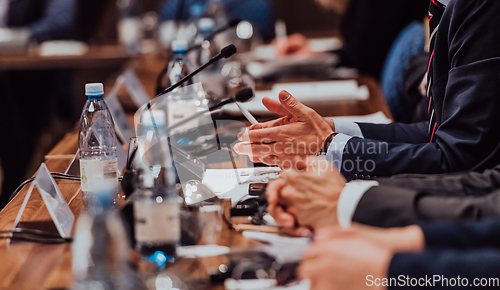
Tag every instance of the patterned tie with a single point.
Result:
(436, 11)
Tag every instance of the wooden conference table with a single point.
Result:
(25, 265)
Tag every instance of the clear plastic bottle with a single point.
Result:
(130, 32)
(210, 77)
(156, 202)
(97, 144)
(101, 253)
(216, 9)
(208, 49)
(183, 102)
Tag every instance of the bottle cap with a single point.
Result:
(157, 116)
(179, 45)
(196, 10)
(95, 89)
(206, 24)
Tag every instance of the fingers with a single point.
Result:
(281, 217)
(254, 149)
(309, 269)
(300, 162)
(255, 159)
(274, 106)
(273, 189)
(254, 127)
(266, 135)
(329, 233)
(293, 106)
(297, 232)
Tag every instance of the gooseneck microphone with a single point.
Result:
(226, 52)
(242, 96)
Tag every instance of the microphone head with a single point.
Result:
(244, 95)
(228, 51)
(233, 22)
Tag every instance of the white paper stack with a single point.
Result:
(309, 93)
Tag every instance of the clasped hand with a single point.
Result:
(306, 199)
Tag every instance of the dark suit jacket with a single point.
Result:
(47, 19)
(467, 250)
(414, 199)
(466, 98)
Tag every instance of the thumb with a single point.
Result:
(293, 106)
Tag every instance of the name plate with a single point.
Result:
(58, 208)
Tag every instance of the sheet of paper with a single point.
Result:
(309, 93)
(375, 118)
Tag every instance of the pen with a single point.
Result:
(247, 114)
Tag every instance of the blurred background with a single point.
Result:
(50, 48)
(43, 96)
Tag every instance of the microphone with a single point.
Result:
(226, 52)
(232, 23)
(242, 96)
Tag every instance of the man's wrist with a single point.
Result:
(331, 123)
(327, 142)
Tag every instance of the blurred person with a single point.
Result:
(318, 196)
(463, 102)
(433, 256)
(257, 12)
(31, 98)
(368, 29)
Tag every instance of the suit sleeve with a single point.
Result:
(463, 235)
(413, 199)
(396, 132)
(449, 264)
(393, 206)
(467, 111)
(456, 184)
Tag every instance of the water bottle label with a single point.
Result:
(99, 175)
(157, 222)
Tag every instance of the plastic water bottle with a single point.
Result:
(97, 143)
(216, 9)
(156, 202)
(210, 77)
(208, 49)
(179, 66)
(101, 254)
(183, 102)
(130, 31)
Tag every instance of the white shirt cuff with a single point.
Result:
(348, 128)
(336, 150)
(349, 199)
